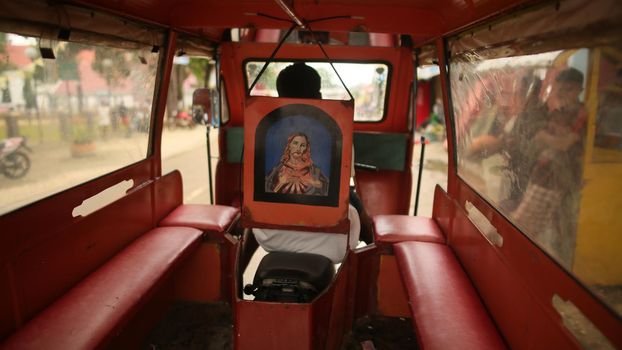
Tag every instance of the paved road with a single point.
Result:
(192, 164)
(53, 169)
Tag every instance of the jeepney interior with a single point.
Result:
(105, 248)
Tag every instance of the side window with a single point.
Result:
(429, 122)
(540, 137)
(68, 120)
(429, 103)
(183, 141)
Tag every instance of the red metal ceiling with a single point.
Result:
(423, 19)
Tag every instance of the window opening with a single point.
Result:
(366, 81)
(538, 136)
(84, 114)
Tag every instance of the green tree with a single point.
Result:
(67, 70)
(5, 95)
(328, 76)
(174, 100)
(29, 93)
(268, 77)
(4, 64)
(112, 65)
(199, 67)
(67, 62)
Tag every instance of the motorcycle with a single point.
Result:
(14, 162)
(183, 120)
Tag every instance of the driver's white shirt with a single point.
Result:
(331, 245)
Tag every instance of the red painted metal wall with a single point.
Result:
(424, 103)
(45, 257)
(518, 280)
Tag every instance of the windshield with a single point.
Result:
(366, 81)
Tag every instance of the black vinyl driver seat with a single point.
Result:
(291, 277)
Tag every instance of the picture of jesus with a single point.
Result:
(285, 168)
(296, 173)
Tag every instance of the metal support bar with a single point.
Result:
(420, 172)
(209, 164)
(290, 13)
(265, 65)
(443, 56)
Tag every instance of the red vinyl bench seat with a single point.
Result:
(390, 229)
(207, 218)
(446, 309)
(95, 309)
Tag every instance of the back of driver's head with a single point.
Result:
(299, 80)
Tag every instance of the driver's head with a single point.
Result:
(299, 80)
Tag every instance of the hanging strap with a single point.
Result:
(330, 62)
(271, 58)
(263, 69)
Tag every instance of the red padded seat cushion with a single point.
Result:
(92, 311)
(447, 312)
(400, 228)
(215, 218)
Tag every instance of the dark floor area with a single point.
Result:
(192, 326)
(384, 333)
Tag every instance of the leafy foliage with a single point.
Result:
(29, 93)
(112, 65)
(67, 61)
(4, 60)
(199, 67)
(83, 136)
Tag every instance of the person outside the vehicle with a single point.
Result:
(104, 119)
(554, 163)
(488, 134)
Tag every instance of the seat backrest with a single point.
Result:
(229, 167)
(48, 256)
(386, 190)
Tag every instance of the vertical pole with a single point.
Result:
(160, 98)
(209, 163)
(420, 172)
(209, 146)
(452, 178)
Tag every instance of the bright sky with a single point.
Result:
(352, 73)
(19, 40)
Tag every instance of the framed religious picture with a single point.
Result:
(298, 156)
(297, 162)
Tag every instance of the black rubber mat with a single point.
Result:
(384, 333)
(190, 325)
(193, 326)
